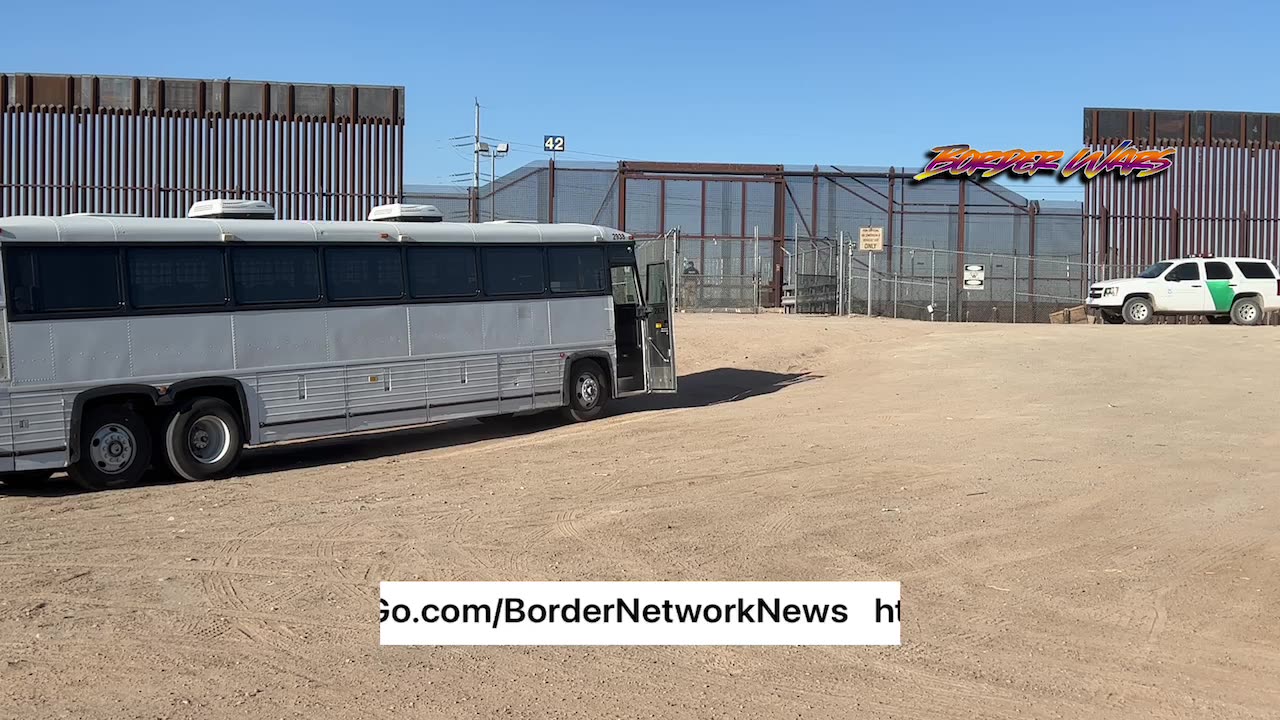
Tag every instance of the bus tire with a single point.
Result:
(202, 440)
(588, 393)
(115, 448)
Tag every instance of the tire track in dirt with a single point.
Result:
(221, 590)
(566, 525)
(193, 610)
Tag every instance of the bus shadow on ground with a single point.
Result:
(702, 389)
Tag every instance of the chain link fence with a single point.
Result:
(925, 283)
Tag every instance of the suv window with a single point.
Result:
(1217, 271)
(1185, 271)
(1154, 271)
(1256, 270)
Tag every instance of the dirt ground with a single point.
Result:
(1084, 520)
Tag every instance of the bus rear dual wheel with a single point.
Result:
(200, 440)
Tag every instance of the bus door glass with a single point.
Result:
(659, 337)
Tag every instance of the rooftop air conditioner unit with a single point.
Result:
(400, 212)
(232, 210)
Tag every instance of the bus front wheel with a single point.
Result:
(202, 440)
(588, 392)
(115, 448)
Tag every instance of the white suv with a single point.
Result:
(1239, 290)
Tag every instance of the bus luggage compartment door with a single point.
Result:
(659, 336)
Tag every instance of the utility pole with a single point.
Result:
(475, 150)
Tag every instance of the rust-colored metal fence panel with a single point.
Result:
(1221, 196)
(154, 146)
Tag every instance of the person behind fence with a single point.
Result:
(690, 282)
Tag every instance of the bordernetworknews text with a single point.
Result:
(640, 613)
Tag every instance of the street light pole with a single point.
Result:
(476, 150)
(493, 153)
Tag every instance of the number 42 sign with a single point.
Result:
(553, 143)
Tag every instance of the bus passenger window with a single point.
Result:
(63, 279)
(440, 272)
(576, 269)
(365, 273)
(513, 271)
(176, 277)
(275, 274)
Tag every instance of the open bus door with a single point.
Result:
(659, 336)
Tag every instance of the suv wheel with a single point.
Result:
(1246, 311)
(1138, 311)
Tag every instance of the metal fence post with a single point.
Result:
(1015, 288)
(755, 304)
(868, 283)
(847, 261)
(839, 274)
(991, 289)
(948, 300)
(795, 256)
(895, 295)
(933, 283)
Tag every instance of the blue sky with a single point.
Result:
(798, 82)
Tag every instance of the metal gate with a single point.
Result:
(817, 294)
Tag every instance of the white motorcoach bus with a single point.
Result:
(135, 342)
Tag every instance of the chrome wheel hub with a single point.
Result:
(112, 448)
(209, 439)
(588, 391)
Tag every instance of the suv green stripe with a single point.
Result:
(1222, 294)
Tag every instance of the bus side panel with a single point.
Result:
(303, 403)
(368, 333)
(90, 350)
(387, 395)
(39, 421)
(516, 375)
(575, 321)
(462, 387)
(445, 329)
(274, 338)
(517, 324)
(548, 379)
(6, 433)
(180, 345)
